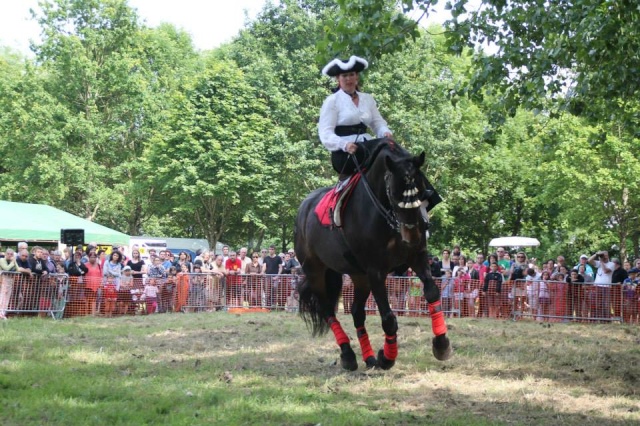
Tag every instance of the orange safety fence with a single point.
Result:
(25, 293)
(58, 296)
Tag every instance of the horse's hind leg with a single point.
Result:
(333, 290)
(319, 292)
(360, 295)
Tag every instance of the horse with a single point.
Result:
(384, 227)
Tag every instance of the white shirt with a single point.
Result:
(601, 276)
(339, 110)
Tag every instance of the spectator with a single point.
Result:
(254, 281)
(150, 293)
(544, 296)
(461, 263)
(533, 288)
(183, 259)
(242, 255)
(124, 293)
(492, 289)
(234, 269)
(182, 290)
(219, 272)
(8, 270)
(434, 266)
(560, 263)
(156, 270)
(164, 258)
(630, 291)
(225, 254)
(113, 268)
(36, 292)
(447, 295)
(446, 262)
(92, 282)
(138, 267)
(604, 272)
(290, 263)
(197, 299)
(415, 294)
(617, 278)
(588, 270)
(271, 266)
(577, 294)
(518, 267)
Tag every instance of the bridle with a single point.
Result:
(410, 199)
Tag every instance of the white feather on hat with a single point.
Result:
(338, 66)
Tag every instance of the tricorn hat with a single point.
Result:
(338, 66)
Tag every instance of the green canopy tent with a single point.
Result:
(37, 222)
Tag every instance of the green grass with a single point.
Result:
(220, 368)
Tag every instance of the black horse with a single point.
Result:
(383, 228)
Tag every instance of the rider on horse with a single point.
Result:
(344, 118)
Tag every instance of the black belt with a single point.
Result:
(356, 129)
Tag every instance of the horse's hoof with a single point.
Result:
(383, 362)
(442, 348)
(348, 360)
(371, 362)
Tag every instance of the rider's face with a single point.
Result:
(348, 81)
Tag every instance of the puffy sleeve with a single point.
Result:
(327, 125)
(377, 123)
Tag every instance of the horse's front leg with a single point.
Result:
(441, 344)
(388, 354)
(360, 295)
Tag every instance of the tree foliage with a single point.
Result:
(132, 127)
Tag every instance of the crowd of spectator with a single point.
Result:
(477, 283)
(114, 283)
(122, 281)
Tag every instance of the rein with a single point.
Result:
(389, 215)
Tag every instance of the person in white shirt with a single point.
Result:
(604, 271)
(346, 114)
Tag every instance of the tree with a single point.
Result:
(583, 54)
(214, 164)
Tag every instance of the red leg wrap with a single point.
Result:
(437, 319)
(341, 336)
(390, 347)
(365, 345)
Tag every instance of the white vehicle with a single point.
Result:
(145, 244)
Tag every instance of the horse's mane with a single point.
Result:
(389, 146)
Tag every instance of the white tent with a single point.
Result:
(514, 242)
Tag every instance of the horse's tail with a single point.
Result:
(311, 309)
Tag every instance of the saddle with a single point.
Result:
(330, 208)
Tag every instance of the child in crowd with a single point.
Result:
(196, 301)
(110, 294)
(168, 295)
(124, 294)
(415, 293)
(150, 294)
(62, 287)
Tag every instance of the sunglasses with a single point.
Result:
(255, 257)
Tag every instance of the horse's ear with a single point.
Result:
(419, 160)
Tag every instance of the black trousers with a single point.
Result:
(343, 163)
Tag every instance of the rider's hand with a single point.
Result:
(351, 147)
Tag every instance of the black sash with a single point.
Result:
(357, 129)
